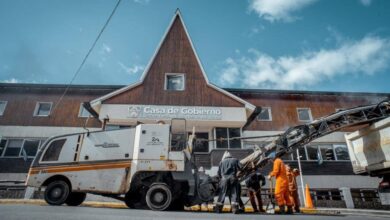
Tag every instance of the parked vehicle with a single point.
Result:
(146, 166)
(369, 150)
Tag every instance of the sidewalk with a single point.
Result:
(209, 208)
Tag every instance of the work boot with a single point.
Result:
(218, 208)
(261, 210)
(289, 210)
(297, 209)
(281, 210)
(235, 209)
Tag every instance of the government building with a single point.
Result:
(173, 87)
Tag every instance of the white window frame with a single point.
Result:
(21, 148)
(174, 74)
(228, 140)
(31, 139)
(310, 115)
(81, 110)
(5, 106)
(269, 114)
(334, 150)
(307, 154)
(37, 108)
(6, 146)
(327, 144)
(318, 144)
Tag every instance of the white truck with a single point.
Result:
(146, 166)
(369, 150)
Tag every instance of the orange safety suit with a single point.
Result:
(282, 195)
(292, 186)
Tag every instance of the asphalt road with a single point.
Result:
(36, 212)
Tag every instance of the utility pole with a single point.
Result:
(301, 174)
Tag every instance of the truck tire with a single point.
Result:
(135, 200)
(159, 197)
(75, 198)
(57, 192)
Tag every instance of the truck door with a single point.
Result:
(151, 142)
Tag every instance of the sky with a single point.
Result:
(315, 45)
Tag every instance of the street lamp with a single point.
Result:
(301, 174)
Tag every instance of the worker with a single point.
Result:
(229, 185)
(254, 190)
(282, 195)
(292, 186)
(204, 180)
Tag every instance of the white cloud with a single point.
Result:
(142, 1)
(366, 2)
(278, 10)
(367, 56)
(106, 48)
(12, 80)
(132, 69)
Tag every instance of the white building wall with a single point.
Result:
(39, 131)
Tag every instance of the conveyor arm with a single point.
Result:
(301, 135)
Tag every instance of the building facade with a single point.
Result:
(175, 86)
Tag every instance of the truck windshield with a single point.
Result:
(53, 151)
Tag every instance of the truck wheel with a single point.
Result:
(159, 197)
(75, 198)
(57, 192)
(135, 200)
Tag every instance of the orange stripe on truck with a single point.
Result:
(80, 167)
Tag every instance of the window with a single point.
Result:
(13, 148)
(43, 109)
(302, 154)
(201, 145)
(341, 152)
(83, 113)
(174, 82)
(178, 141)
(30, 147)
(312, 152)
(304, 114)
(227, 134)
(19, 147)
(110, 127)
(265, 114)
(3, 142)
(53, 151)
(327, 152)
(3, 104)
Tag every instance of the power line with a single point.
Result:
(87, 55)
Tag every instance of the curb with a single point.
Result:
(121, 205)
(209, 208)
(43, 203)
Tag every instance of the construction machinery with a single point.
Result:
(151, 165)
(369, 150)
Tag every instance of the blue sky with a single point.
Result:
(323, 45)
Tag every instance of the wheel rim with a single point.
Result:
(159, 197)
(56, 193)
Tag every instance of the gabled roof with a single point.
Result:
(95, 103)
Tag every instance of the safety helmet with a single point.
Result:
(226, 155)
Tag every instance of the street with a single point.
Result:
(17, 212)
